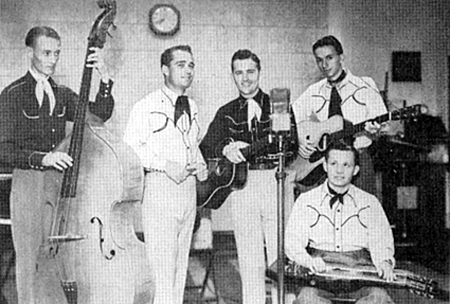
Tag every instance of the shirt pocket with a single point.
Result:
(59, 111)
(31, 112)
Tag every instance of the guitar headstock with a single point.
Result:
(424, 286)
(408, 112)
(99, 30)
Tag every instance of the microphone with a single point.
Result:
(279, 108)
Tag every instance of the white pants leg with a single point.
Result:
(168, 214)
(255, 219)
(29, 226)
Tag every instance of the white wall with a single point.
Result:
(281, 32)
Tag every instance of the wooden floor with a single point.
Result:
(226, 274)
(224, 281)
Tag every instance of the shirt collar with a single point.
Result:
(258, 98)
(170, 94)
(38, 76)
(342, 82)
(325, 194)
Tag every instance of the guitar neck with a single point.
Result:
(369, 275)
(405, 113)
(380, 119)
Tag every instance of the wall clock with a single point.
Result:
(164, 19)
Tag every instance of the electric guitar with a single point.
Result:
(323, 134)
(359, 276)
(225, 177)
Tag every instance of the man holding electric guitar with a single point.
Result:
(355, 99)
(339, 223)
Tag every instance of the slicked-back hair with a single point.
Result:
(341, 145)
(38, 31)
(329, 41)
(245, 54)
(167, 55)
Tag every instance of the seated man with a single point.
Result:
(338, 222)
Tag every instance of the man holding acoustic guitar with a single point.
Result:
(235, 133)
(337, 223)
(327, 106)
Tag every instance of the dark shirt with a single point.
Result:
(28, 131)
(230, 124)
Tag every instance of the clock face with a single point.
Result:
(164, 19)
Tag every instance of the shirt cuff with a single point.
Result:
(105, 88)
(35, 160)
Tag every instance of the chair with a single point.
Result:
(207, 255)
(202, 250)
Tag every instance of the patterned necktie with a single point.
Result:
(182, 106)
(336, 196)
(43, 87)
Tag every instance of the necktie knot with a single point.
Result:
(254, 110)
(182, 106)
(336, 197)
(43, 86)
(335, 98)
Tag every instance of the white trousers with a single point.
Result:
(168, 215)
(255, 219)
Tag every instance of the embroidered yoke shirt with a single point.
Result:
(358, 223)
(361, 101)
(28, 131)
(152, 133)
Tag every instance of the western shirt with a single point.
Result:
(152, 133)
(358, 223)
(28, 132)
(361, 101)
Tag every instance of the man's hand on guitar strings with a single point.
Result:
(317, 265)
(386, 271)
(372, 127)
(233, 153)
(306, 149)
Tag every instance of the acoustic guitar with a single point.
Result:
(225, 177)
(323, 134)
(362, 275)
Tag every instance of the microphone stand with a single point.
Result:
(280, 175)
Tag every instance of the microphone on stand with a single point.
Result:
(280, 127)
(279, 107)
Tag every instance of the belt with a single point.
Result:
(262, 166)
(152, 170)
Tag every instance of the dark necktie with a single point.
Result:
(335, 103)
(181, 106)
(336, 196)
(335, 98)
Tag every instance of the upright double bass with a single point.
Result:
(93, 255)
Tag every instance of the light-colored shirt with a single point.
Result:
(358, 223)
(361, 101)
(152, 134)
